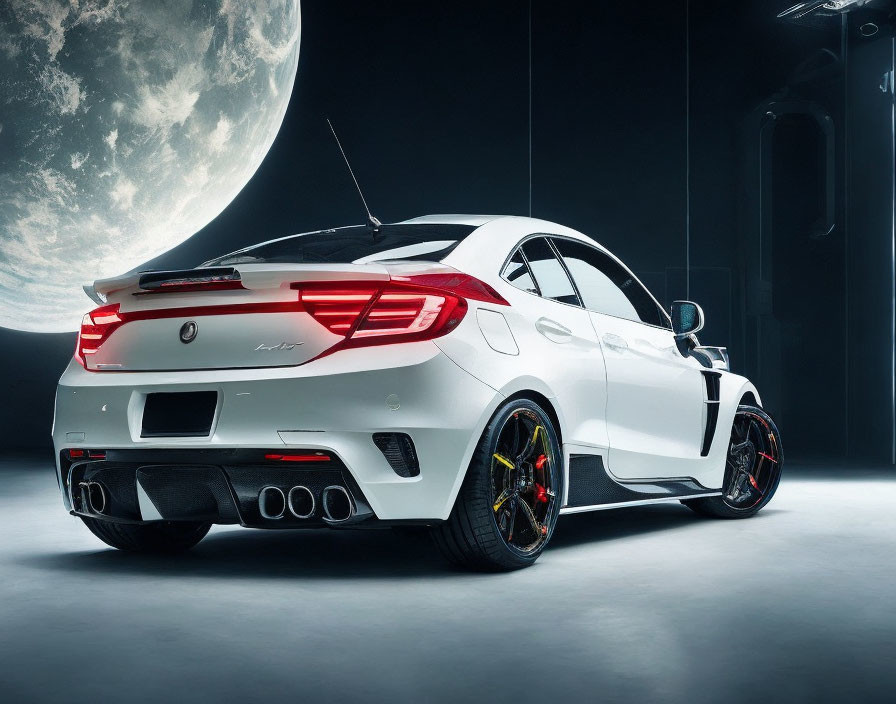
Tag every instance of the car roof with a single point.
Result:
(502, 232)
(451, 219)
(501, 229)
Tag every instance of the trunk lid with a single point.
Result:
(217, 318)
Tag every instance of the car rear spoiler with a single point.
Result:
(248, 276)
(161, 281)
(93, 294)
(211, 278)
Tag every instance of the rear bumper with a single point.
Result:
(214, 486)
(333, 404)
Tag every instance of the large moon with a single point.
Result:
(125, 127)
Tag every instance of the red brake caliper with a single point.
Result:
(541, 494)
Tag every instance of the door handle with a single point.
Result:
(615, 341)
(553, 330)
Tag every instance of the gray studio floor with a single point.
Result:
(650, 604)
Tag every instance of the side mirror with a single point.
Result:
(687, 318)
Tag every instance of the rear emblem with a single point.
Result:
(188, 331)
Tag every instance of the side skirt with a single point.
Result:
(627, 504)
(592, 488)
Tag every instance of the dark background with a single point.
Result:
(694, 141)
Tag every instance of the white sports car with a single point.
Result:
(479, 376)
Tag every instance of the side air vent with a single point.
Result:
(399, 451)
(588, 482)
(713, 384)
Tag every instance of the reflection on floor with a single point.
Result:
(635, 605)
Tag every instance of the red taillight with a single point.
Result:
(461, 284)
(404, 309)
(336, 306)
(96, 326)
(298, 458)
(407, 309)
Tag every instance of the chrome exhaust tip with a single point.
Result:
(301, 502)
(94, 496)
(271, 503)
(337, 504)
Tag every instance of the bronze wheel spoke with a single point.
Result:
(531, 444)
(499, 502)
(536, 526)
(514, 506)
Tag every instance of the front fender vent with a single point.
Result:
(713, 386)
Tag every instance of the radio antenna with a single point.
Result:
(372, 222)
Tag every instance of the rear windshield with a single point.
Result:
(354, 245)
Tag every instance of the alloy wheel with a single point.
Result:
(753, 465)
(524, 482)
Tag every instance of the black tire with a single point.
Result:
(159, 538)
(764, 470)
(471, 537)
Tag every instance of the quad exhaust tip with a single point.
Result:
(337, 504)
(301, 502)
(272, 503)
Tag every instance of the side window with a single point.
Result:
(606, 287)
(663, 317)
(548, 272)
(517, 273)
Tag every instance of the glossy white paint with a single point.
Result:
(496, 331)
(619, 389)
(655, 414)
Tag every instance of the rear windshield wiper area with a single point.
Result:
(429, 242)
